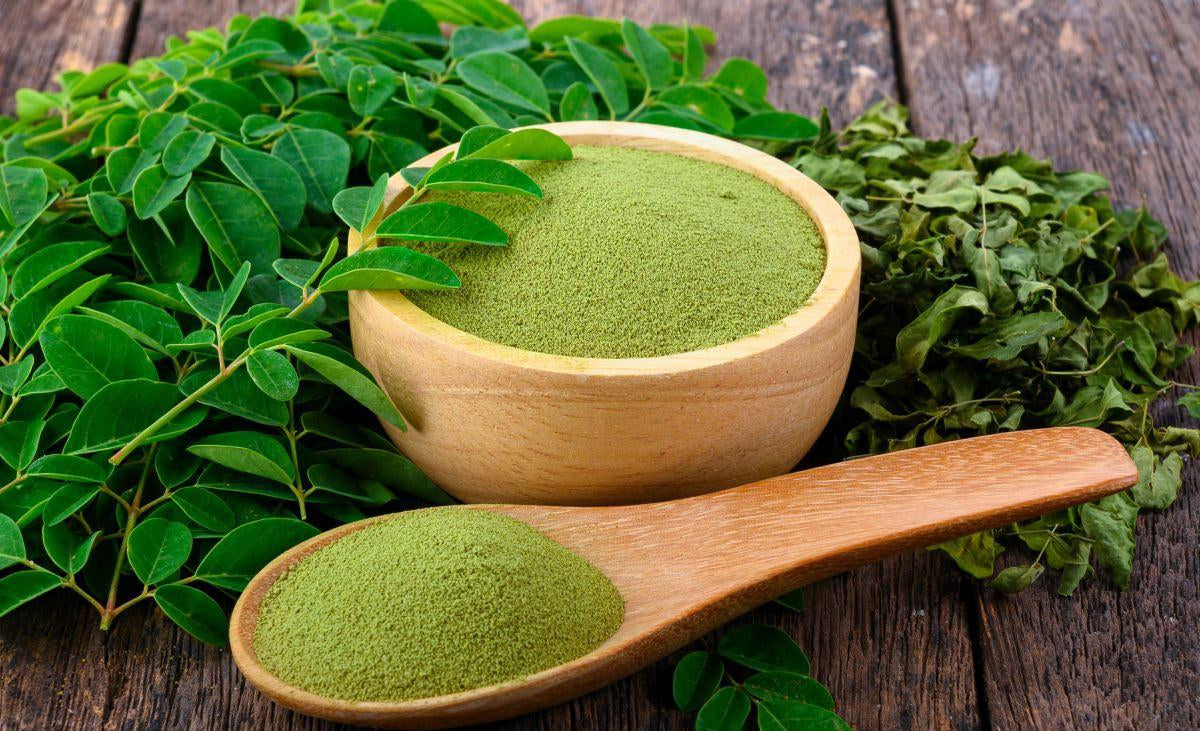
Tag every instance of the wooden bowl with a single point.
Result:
(493, 423)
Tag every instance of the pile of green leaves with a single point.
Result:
(172, 409)
(174, 351)
(999, 294)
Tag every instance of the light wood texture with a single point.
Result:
(684, 567)
(492, 423)
(1113, 87)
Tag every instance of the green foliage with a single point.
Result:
(767, 675)
(1000, 294)
(175, 297)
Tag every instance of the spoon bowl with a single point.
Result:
(687, 566)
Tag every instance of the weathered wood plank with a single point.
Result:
(40, 39)
(161, 19)
(1109, 86)
(891, 640)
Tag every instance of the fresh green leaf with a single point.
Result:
(696, 678)
(23, 193)
(651, 56)
(505, 78)
(743, 78)
(275, 182)
(390, 468)
(87, 354)
(19, 442)
(46, 266)
(369, 88)
(577, 104)
(341, 370)
(523, 144)
(108, 212)
(118, 411)
(273, 374)
(321, 159)
(779, 126)
(726, 710)
(485, 176)
(274, 333)
(158, 549)
(777, 715)
(441, 222)
(204, 507)
(468, 40)
(603, 73)
(12, 545)
(193, 610)
(155, 188)
(185, 153)
(246, 451)
(68, 550)
(358, 206)
(69, 499)
(236, 223)
(789, 687)
(23, 586)
(67, 468)
(762, 647)
(391, 267)
(245, 550)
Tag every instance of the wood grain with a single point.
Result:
(40, 39)
(559, 430)
(1111, 87)
(684, 567)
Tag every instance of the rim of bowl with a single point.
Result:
(843, 258)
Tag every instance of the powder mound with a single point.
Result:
(432, 602)
(630, 253)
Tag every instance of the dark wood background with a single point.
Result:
(1108, 85)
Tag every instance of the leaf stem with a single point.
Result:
(91, 117)
(642, 105)
(107, 615)
(290, 69)
(176, 410)
(116, 496)
(12, 483)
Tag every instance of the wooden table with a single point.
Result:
(1108, 85)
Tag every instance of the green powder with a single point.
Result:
(432, 602)
(631, 253)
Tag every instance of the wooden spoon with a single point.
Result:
(686, 566)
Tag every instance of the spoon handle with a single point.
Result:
(731, 550)
(797, 528)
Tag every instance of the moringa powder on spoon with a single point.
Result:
(432, 602)
(630, 253)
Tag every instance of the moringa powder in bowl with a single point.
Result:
(630, 253)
